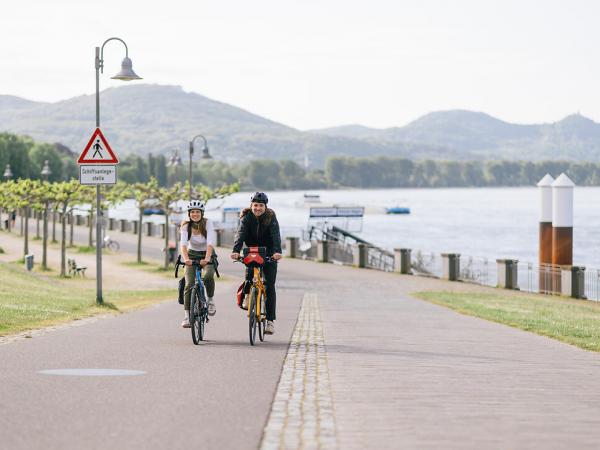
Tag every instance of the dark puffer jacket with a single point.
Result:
(260, 231)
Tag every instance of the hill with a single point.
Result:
(142, 119)
(478, 135)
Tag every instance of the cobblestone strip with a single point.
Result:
(302, 416)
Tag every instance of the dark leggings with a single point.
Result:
(270, 271)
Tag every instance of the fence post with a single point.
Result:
(122, 225)
(135, 227)
(291, 246)
(359, 255)
(451, 266)
(111, 224)
(577, 281)
(322, 251)
(149, 229)
(508, 272)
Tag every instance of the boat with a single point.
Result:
(312, 198)
(151, 211)
(397, 210)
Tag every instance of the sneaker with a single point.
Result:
(270, 329)
(186, 323)
(245, 303)
(212, 309)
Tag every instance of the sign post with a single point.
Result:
(97, 166)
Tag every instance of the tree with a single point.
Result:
(167, 197)
(67, 194)
(145, 194)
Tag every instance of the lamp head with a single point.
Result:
(205, 154)
(126, 73)
(7, 172)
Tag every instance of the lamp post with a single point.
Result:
(7, 173)
(125, 74)
(205, 155)
(7, 176)
(175, 161)
(46, 172)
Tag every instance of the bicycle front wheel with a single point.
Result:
(262, 322)
(252, 322)
(195, 319)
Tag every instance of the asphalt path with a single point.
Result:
(214, 395)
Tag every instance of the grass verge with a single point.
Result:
(28, 301)
(575, 322)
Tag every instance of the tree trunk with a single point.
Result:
(21, 216)
(139, 232)
(53, 225)
(72, 218)
(91, 228)
(167, 249)
(45, 238)
(37, 224)
(26, 238)
(63, 244)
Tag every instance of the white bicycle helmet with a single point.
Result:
(195, 204)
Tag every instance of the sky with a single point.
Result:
(315, 64)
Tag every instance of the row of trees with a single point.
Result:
(63, 198)
(400, 172)
(26, 159)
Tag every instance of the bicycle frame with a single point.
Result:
(257, 282)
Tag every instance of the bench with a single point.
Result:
(75, 269)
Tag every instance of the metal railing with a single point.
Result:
(428, 264)
(379, 259)
(591, 283)
(340, 252)
(478, 270)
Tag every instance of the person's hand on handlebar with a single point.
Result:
(188, 262)
(277, 256)
(235, 256)
(204, 262)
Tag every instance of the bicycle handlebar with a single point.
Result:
(195, 263)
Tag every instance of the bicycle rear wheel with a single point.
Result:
(252, 322)
(196, 322)
(114, 246)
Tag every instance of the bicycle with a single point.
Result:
(198, 302)
(108, 243)
(254, 258)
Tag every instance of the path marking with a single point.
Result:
(302, 415)
(93, 372)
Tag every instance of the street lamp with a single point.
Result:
(7, 176)
(46, 172)
(175, 161)
(205, 155)
(125, 74)
(8, 173)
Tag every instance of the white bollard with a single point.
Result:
(562, 220)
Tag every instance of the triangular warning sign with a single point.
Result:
(97, 151)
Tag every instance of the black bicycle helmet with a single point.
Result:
(260, 197)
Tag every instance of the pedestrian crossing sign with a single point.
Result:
(97, 151)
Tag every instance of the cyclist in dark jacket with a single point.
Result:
(259, 228)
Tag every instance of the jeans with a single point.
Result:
(208, 278)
